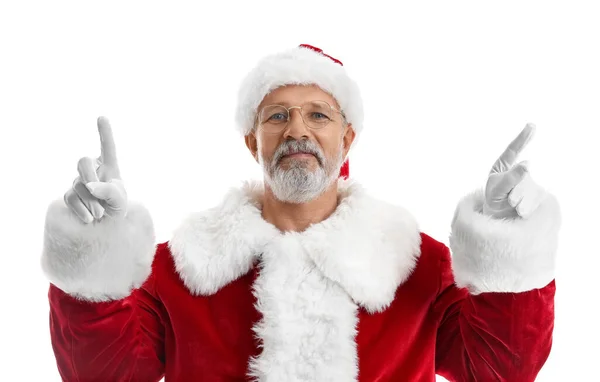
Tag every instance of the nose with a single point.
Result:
(295, 127)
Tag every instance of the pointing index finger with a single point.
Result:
(107, 143)
(509, 156)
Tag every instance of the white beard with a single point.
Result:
(298, 183)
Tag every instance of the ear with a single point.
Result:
(252, 144)
(348, 138)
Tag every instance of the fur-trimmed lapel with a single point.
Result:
(367, 246)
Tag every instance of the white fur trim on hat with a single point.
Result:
(100, 261)
(299, 66)
(504, 255)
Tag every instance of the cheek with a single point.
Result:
(267, 147)
(331, 145)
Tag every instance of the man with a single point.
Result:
(304, 276)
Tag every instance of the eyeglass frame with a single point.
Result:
(258, 123)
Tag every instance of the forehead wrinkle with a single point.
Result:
(307, 93)
(289, 104)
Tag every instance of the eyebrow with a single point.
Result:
(284, 103)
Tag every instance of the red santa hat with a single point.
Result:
(303, 65)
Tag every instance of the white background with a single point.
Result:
(446, 86)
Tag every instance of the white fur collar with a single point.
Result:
(367, 246)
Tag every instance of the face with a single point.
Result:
(300, 163)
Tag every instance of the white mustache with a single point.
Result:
(294, 147)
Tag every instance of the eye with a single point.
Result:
(278, 117)
(318, 115)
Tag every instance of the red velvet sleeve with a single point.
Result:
(492, 336)
(121, 340)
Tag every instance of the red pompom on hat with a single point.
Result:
(303, 65)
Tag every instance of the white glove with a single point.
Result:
(98, 190)
(510, 192)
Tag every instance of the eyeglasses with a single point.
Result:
(315, 115)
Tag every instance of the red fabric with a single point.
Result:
(431, 327)
(345, 169)
(321, 51)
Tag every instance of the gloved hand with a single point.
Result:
(98, 190)
(510, 192)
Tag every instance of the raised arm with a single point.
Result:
(497, 289)
(105, 319)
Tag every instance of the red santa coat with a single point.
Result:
(362, 296)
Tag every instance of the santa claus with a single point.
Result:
(303, 276)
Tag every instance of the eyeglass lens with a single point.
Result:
(316, 115)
